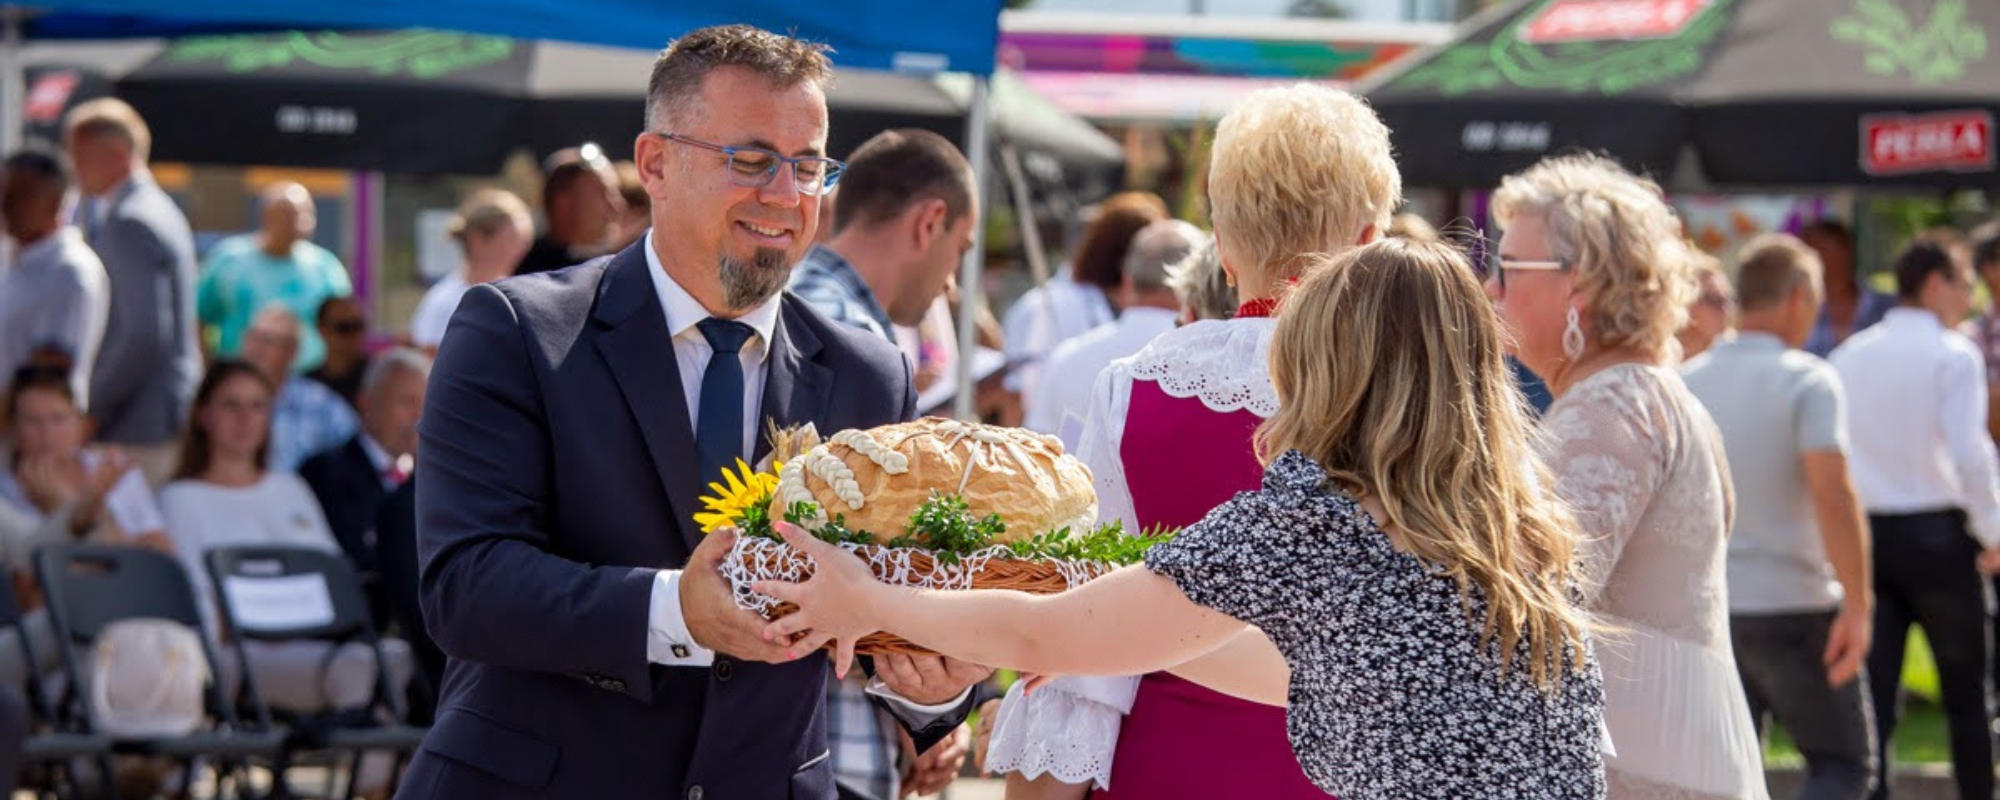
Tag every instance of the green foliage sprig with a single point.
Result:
(945, 527)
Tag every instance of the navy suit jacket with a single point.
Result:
(558, 468)
(350, 493)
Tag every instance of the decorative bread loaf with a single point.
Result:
(873, 479)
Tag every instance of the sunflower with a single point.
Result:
(746, 489)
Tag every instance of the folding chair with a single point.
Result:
(54, 740)
(323, 602)
(91, 586)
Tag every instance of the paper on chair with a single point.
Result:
(280, 603)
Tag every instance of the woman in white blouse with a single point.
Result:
(223, 495)
(51, 467)
(54, 488)
(1592, 280)
(493, 229)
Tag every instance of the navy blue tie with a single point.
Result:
(718, 430)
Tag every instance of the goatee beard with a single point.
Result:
(747, 284)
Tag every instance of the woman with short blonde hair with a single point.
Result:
(1297, 170)
(1593, 279)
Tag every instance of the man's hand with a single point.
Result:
(928, 680)
(1989, 561)
(1847, 643)
(934, 769)
(712, 616)
(982, 734)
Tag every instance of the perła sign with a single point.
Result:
(1950, 141)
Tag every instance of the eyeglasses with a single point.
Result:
(347, 327)
(1499, 267)
(756, 166)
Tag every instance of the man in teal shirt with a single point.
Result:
(278, 264)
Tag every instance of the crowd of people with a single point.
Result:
(1739, 486)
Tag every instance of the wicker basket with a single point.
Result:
(1033, 577)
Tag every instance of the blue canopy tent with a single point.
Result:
(913, 36)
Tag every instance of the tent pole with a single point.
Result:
(13, 84)
(977, 135)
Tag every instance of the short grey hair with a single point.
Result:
(1156, 248)
(397, 360)
(678, 73)
(1202, 285)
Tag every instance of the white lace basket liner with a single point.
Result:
(757, 559)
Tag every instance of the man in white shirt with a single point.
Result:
(56, 298)
(1926, 474)
(1060, 401)
(1801, 601)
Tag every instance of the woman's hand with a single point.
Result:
(51, 482)
(835, 605)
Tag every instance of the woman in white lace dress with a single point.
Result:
(1593, 279)
(1295, 171)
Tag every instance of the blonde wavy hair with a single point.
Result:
(1618, 237)
(1296, 170)
(1417, 409)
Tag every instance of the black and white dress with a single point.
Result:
(1392, 697)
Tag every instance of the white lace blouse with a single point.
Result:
(1069, 729)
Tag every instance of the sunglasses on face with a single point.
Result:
(347, 327)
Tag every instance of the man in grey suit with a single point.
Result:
(149, 362)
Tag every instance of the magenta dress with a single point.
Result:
(1181, 740)
(1169, 437)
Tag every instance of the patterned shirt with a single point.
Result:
(827, 281)
(1985, 331)
(1392, 694)
(863, 739)
(307, 418)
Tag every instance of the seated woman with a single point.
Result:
(1411, 573)
(50, 467)
(223, 495)
(53, 488)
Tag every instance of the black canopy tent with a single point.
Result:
(1793, 93)
(431, 102)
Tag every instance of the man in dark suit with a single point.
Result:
(396, 557)
(353, 479)
(149, 362)
(595, 651)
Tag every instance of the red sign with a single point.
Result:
(49, 96)
(1950, 141)
(1611, 20)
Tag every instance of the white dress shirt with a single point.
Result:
(668, 641)
(55, 293)
(1916, 397)
(1062, 400)
(1044, 317)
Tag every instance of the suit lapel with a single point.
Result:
(633, 338)
(797, 385)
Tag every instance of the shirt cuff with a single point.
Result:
(667, 639)
(917, 714)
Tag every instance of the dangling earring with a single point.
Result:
(1573, 334)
